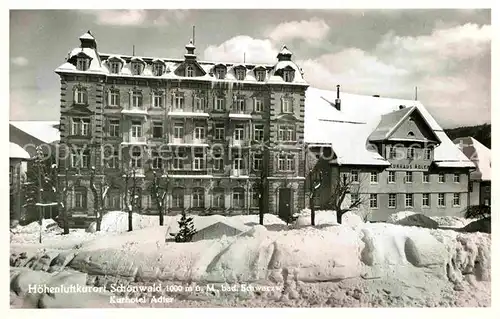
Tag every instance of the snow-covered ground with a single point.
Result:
(354, 264)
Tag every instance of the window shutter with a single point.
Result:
(151, 99)
(108, 92)
(75, 94)
(164, 99)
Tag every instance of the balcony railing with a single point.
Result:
(239, 114)
(129, 139)
(239, 172)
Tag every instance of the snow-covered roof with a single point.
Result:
(479, 154)
(285, 51)
(16, 151)
(347, 130)
(45, 131)
(87, 36)
(95, 62)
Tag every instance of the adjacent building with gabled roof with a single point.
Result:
(393, 149)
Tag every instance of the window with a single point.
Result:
(136, 159)
(218, 163)
(238, 198)
(178, 198)
(157, 99)
(286, 163)
(471, 187)
(288, 76)
(409, 177)
(392, 177)
(178, 101)
(286, 105)
(425, 200)
(286, 133)
(456, 178)
(199, 133)
(178, 130)
(80, 126)
(114, 67)
(82, 64)
(80, 158)
(393, 152)
(441, 178)
(136, 129)
(199, 104)
(355, 176)
(456, 199)
(427, 153)
(240, 74)
(189, 71)
(219, 132)
(373, 200)
(374, 177)
(238, 133)
(354, 199)
(425, 177)
(114, 160)
(392, 201)
(198, 198)
(219, 103)
(114, 98)
(408, 200)
(136, 99)
(255, 198)
(220, 73)
(136, 68)
(80, 198)
(198, 160)
(80, 95)
(258, 132)
(260, 75)
(410, 153)
(113, 200)
(177, 162)
(157, 69)
(441, 202)
(218, 198)
(157, 162)
(157, 129)
(237, 162)
(239, 106)
(257, 161)
(259, 104)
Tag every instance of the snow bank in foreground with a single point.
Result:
(409, 218)
(48, 225)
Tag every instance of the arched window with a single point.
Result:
(178, 197)
(218, 198)
(80, 95)
(189, 71)
(238, 197)
(411, 134)
(198, 198)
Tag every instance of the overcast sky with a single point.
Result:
(446, 53)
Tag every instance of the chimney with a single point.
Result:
(337, 100)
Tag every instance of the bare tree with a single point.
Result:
(129, 195)
(99, 196)
(342, 187)
(315, 180)
(159, 194)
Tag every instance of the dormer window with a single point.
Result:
(260, 75)
(158, 69)
(114, 67)
(288, 75)
(220, 73)
(137, 68)
(80, 96)
(189, 71)
(82, 63)
(240, 74)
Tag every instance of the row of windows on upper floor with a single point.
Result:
(178, 101)
(396, 152)
(158, 69)
(408, 177)
(286, 132)
(285, 162)
(239, 198)
(409, 200)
